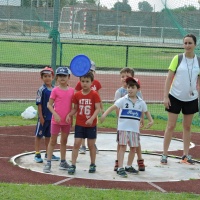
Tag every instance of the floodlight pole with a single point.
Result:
(55, 29)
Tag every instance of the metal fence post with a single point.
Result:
(55, 29)
(127, 56)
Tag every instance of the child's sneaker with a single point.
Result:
(64, 166)
(121, 172)
(97, 151)
(53, 158)
(82, 150)
(131, 170)
(92, 168)
(141, 166)
(163, 160)
(71, 170)
(47, 168)
(116, 165)
(38, 158)
(187, 160)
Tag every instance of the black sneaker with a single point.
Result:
(92, 168)
(71, 170)
(121, 172)
(131, 170)
(187, 160)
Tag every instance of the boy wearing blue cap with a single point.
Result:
(60, 104)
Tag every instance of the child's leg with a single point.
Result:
(77, 144)
(139, 152)
(116, 161)
(63, 142)
(83, 142)
(122, 149)
(133, 143)
(140, 160)
(37, 144)
(51, 145)
(37, 156)
(92, 149)
(131, 156)
(65, 130)
(46, 142)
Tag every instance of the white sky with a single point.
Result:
(156, 4)
(10, 2)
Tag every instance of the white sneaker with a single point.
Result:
(47, 168)
(97, 151)
(82, 150)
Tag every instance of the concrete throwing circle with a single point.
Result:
(149, 143)
(155, 172)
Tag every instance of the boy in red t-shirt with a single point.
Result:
(87, 106)
(96, 86)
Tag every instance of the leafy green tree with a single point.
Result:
(145, 6)
(182, 9)
(122, 6)
(91, 1)
(185, 8)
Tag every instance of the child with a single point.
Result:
(130, 111)
(96, 86)
(60, 104)
(122, 91)
(87, 106)
(44, 115)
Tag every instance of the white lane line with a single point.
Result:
(63, 181)
(157, 187)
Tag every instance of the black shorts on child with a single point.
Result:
(85, 132)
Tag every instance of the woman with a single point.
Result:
(180, 94)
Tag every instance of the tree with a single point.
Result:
(185, 8)
(122, 6)
(182, 9)
(145, 6)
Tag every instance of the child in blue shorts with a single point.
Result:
(44, 115)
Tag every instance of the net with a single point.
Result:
(143, 35)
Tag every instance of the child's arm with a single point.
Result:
(96, 112)
(110, 109)
(101, 104)
(142, 120)
(72, 112)
(40, 114)
(148, 115)
(50, 107)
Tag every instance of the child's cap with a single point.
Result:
(93, 66)
(62, 70)
(47, 70)
(133, 80)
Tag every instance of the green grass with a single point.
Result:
(104, 56)
(10, 115)
(48, 192)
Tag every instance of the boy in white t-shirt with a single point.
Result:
(130, 111)
(120, 92)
